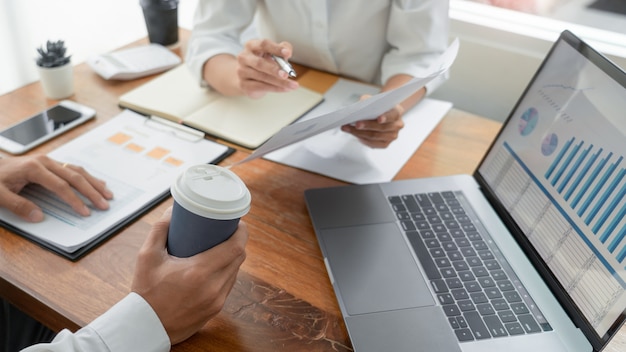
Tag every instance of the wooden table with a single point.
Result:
(282, 301)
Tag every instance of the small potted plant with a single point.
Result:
(55, 70)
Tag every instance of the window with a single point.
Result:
(608, 15)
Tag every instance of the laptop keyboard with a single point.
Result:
(477, 289)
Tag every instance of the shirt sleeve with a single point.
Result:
(130, 325)
(218, 26)
(418, 34)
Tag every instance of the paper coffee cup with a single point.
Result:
(209, 200)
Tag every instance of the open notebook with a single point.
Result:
(137, 157)
(177, 96)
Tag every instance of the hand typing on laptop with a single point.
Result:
(61, 178)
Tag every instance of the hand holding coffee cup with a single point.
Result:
(209, 200)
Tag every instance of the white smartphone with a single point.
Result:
(35, 130)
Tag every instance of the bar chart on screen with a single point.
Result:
(591, 180)
(581, 262)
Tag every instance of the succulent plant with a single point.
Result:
(54, 55)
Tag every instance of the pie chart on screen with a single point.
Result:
(549, 144)
(528, 121)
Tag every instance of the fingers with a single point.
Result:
(261, 47)
(187, 292)
(65, 179)
(20, 206)
(259, 73)
(68, 182)
(90, 186)
(86, 184)
(157, 237)
(221, 264)
(380, 132)
(228, 255)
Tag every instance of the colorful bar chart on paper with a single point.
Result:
(592, 181)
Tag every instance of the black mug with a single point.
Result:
(161, 20)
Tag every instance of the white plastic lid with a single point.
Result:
(211, 191)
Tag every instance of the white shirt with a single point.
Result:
(369, 40)
(130, 325)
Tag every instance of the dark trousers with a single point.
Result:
(18, 330)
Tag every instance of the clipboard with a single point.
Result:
(139, 157)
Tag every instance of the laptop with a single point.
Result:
(526, 254)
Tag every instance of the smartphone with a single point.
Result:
(35, 130)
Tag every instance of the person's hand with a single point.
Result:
(379, 132)
(257, 71)
(185, 293)
(62, 179)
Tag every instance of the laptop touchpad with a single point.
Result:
(374, 269)
(418, 329)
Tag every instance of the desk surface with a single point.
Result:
(282, 300)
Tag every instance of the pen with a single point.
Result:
(285, 66)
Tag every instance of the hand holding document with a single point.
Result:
(362, 110)
(340, 155)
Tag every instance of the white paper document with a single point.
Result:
(138, 158)
(361, 110)
(340, 155)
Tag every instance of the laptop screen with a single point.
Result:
(557, 168)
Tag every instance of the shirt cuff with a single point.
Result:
(200, 51)
(132, 325)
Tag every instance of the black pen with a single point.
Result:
(285, 66)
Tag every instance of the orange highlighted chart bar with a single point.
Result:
(119, 138)
(133, 147)
(174, 161)
(157, 153)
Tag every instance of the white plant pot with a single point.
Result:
(57, 82)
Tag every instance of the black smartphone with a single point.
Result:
(35, 130)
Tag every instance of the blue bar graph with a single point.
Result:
(622, 254)
(612, 226)
(574, 168)
(582, 174)
(592, 182)
(596, 190)
(603, 200)
(566, 164)
(607, 193)
(558, 158)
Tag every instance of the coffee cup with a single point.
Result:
(209, 200)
